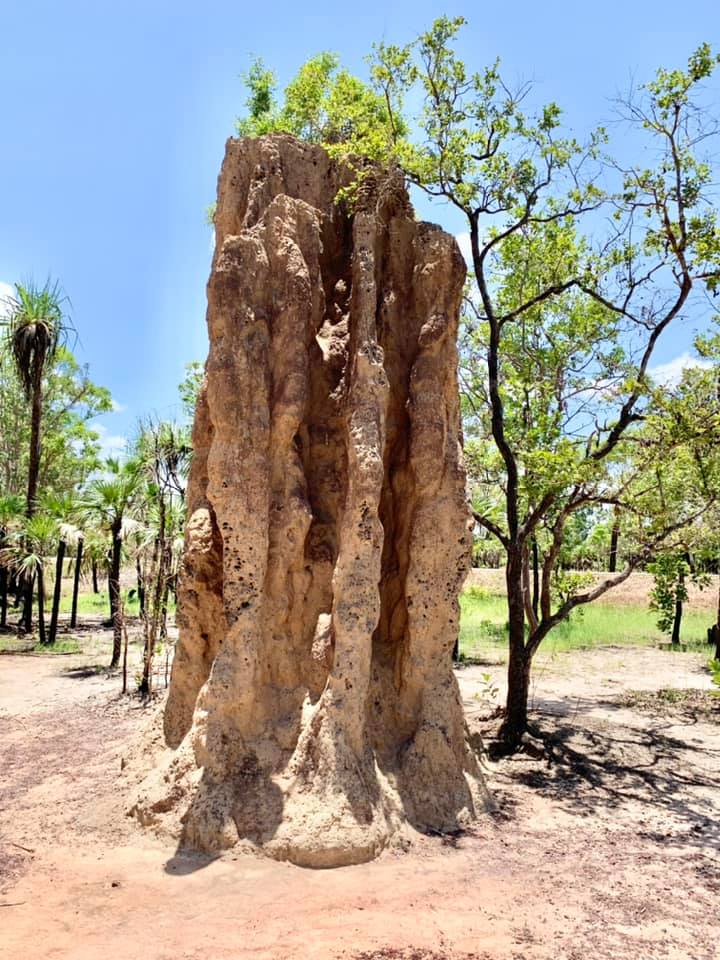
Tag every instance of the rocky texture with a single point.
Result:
(313, 709)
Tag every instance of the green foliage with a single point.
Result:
(70, 446)
(714, 668)
(36, 326)
(190, 387)
(670, 572)
(110, 498)
(324, 104)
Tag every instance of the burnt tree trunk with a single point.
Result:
(677, 619)
(41, 603)
(55, 613)
(3, 586)
(140, 584)
(114, 588)
(96, 588)
(614, 538)
(76, 582)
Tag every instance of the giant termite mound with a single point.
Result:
(312, 708)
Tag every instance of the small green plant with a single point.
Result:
(714, 667)
(488, 688)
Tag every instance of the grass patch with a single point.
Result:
(30, 644)
(98, 604)
(483, 627)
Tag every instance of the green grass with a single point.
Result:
(98, 604)
(483, 627)
(11, 644)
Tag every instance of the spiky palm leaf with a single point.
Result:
(37, 325)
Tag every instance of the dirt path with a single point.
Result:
(611, 851)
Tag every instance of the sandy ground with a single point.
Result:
(609, 849)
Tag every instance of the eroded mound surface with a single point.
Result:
(313, 709)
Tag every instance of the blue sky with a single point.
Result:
(115, 114)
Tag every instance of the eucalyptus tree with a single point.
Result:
(109, 501)
(565, 312)
(578, 266)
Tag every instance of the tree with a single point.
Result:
(190, 387)
(37, 325)
(70, 447)
(163, 449)
(109, 501)
(11, 511)
(64, 510)
(26, 553)
(554, 312)
(322, 104)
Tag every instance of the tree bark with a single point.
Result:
(26, 619)
(35, 449)
(114, 588)
(515, 723)
(3, 587)
(675, 639)
(41, 603)
(140, 585)
(96, 588)
(717, 626)
(57, 591)
(76, 582)
(614, 537)
(3, 597)
(536, 578)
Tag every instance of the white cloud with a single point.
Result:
(670, 374)
(7, 290)
(463, 241)
(111, 444)
(117, 407)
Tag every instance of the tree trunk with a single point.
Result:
(96, 588)
(57, 591)
(140, 585)
(3, 587)
(516, 709)
(614, 537)
(717, 626)
(114, 587)
(26, 620)
(536, 578)
(76, 582)
(34, 460)
(41, 603)
(33, 473)
(675, 639)
(3, 597)
(515, 723)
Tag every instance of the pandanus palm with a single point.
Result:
(110, 501)
(26, 552)
(36, 326)
(11, 511)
